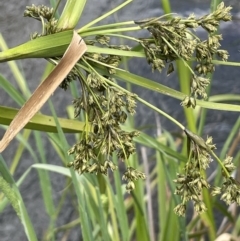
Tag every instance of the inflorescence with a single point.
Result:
(105, 106)
(45, 15)
(189, 186)
(173, 39)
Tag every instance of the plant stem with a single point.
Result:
(166, 6)
(220, 163)
(161, 112)
(108, 26)
(108, 31)
(141, 100)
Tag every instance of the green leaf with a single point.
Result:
(95, 49)
(105, 15)
(42, 122)
(82, 202)
(13, 93)
(55, 45)
(44, 47)
(149, 84)
(28, 227)
(71, 14)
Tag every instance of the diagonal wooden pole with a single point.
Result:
(74, 52)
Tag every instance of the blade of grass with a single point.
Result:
(203, 115)
(224, 97)
(208, 217)
(148, 194)
(19, 152)
(101, 216)
(86, 231)
(46, 124)
(88, 191)
(15, 71)
(166, 6)
(214, 4)
(151, 142)
(184, 81)
(55, 6)
(114, 217)
(4, 202)
(229, 63)
(107, 26)
(26, 145)
(12, 92)
(28, 227)
(223, 154)
(57, 145)
(112, 31)
(104, 15)
(149, 84)
(44, 47)
(228, 141)
(96, 49)
(4, 172)
(171, 168)
(45, 184)
(162, 198)
(142, 231)
(41, 122)
(71, 14)
(120, 208)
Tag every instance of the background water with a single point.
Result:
(16, 30)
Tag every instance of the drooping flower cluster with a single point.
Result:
(173, 39)
(45, 15)
(105, 108)
(132, 175)
(190, 184)
(230, 189)
(104, 104)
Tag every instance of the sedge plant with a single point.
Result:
(104, 107)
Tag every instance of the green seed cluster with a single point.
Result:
(11, 194)
(45, 15)
(38, 12)
(70, 77)
(110, 61)
(105, 108)
(230, 189)
(191, 183)
(131, 175)
(173, 39)
(104, 105)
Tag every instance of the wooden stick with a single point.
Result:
(74, 52)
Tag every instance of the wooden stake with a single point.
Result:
(74, 52)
